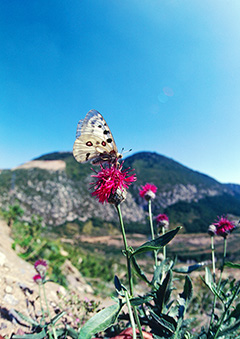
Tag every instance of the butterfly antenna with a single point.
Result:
(122, 151)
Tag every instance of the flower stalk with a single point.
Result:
(151, 227)
(213, 258)
(130, 281)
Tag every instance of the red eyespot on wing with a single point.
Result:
(89, 143)
(103, 143)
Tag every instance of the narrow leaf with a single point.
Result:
(25, 318)
(57, 317)
(40, 335)
(167, 323)
(139, 271)
(117, 283)
(188, 269)
(100, 321)
(210, 283)
(236, 312)
(187, 290)
(231, 265)
(71, 332)
(157, 243)
(160, 271)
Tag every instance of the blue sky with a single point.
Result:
(165, 74)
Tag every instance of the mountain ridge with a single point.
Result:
(62, 195)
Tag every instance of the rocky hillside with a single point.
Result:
(18, 291)
(56, 187)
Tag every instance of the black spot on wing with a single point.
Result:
(106, 132)
(109, 140)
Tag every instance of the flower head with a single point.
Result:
(148, 191)
(212, 230)
(162, 220)
(38, 279)
(41, 267)
(111, 184)
(224, 226)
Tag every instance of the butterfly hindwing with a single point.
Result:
(94, 140)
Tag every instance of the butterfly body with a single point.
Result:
(94, 141)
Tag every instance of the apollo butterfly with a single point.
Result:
(94, 141)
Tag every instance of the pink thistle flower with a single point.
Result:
(41, 267)
(162, 220)
(148, 191)
(38, 279)
(224, 226)
(111, 184)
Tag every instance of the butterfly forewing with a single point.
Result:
(94, 140)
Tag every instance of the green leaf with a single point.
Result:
(71, 332)
(40, 335)
(160, 271)
(27, 319)
(231, 265)
(230, 329)
(187, 291)
(139, 271)
(117, 284)
(188, 269)
(140, 300)
(236, 312)
(210, 283)
(157, 243)
(167, 323)
(100, 321)
(57, 317)
(163, 293)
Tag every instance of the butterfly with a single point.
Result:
(94, 141)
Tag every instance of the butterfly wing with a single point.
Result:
(94, 140)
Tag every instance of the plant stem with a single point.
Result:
(223, 262)
(151, 227)
(226, 311)
(218, 287)
(164, 247)
(46, 302)
(40, 298)
(213, 258)
(130, 282)
(130, 314)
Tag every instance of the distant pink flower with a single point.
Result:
(162, 220)
(111, 182)
(223, 226)
(148, 191)
(41, 267)
(37, 278)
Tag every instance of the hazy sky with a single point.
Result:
(165, 74)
